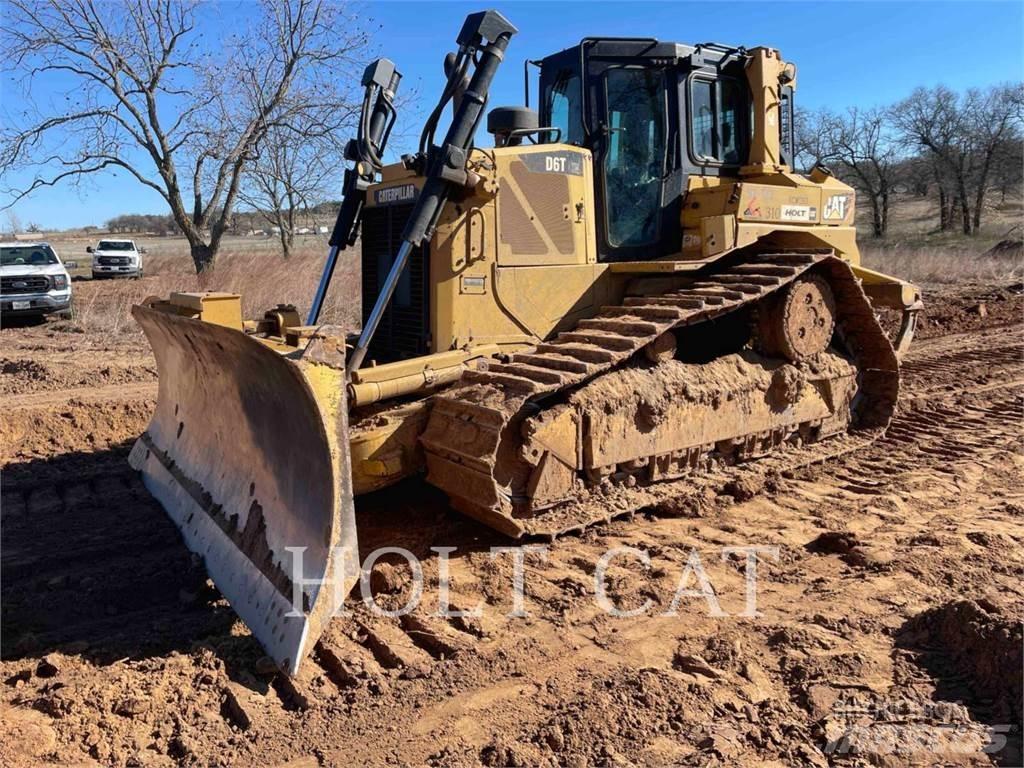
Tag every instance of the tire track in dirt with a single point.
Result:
(931, 436)
(99, 571)
(83, 395)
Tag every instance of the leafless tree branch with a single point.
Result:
(153, 96)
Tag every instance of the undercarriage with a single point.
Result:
(617, 401)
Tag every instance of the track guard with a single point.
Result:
(248, 453)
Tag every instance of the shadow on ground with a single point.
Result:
(91, 565)
(974, 653)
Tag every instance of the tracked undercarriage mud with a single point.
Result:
(514, 442)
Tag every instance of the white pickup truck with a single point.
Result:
(116, 258)
(33, 281)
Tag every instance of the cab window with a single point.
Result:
(716, 111)
(634, 162)
(563, 102)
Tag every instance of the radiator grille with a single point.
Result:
(404, 329)
(28, 284)
(114, 261)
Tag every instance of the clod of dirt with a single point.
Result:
(499, 754)
(25, 736)
(25, 369)
(695, 665)
(266, 667)
(388, 578)
(47, 667)
(724, 740)
(821, 700)
(18, 678)
(744, 488)
(130, 706)
(842, 543)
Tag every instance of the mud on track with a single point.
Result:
(898, 590)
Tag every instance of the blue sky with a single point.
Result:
(848, 53)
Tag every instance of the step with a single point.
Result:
(671, 300)
(710, 296)
(748, 279)
(609, 341)
(515, 383)
(799, 259)
(746, 288)
(768, 270)
(654, 312)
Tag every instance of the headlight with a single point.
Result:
(60, 282)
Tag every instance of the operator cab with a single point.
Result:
(653, 114)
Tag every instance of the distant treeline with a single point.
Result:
(239, 223)
(961, 150)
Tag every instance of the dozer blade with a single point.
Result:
(248, 453)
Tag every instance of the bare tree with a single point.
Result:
(861, 148)
(809, 134)
(963, 134)
(161, 91)
(13, 222)
(995, 117)
(1008, 168)
(294, 171)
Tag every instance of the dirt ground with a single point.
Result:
(889, 628)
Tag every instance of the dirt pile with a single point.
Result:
(22, 376)
(956, 310)
(1011, 248)
(73, 425)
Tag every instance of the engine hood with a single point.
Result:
(14, 270)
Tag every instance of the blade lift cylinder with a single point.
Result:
(487, 34)
(377, 118)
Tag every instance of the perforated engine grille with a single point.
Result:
(547, 195)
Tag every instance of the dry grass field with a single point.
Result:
(252, 267)
(915, 250)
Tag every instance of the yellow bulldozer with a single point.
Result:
(631, 285)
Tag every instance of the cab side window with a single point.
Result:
(564, 108)
(716, 115)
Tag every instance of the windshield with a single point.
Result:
(115, 245)
(35, 255)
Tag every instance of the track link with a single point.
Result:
(472, 436)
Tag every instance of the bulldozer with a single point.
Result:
(631, 286)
